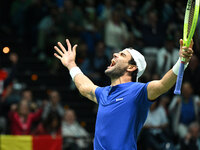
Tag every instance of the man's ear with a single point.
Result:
(131, 68)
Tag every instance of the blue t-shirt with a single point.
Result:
(121, 114)
(187, 112)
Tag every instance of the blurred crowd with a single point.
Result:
(100, 28)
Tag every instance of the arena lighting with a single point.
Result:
(6, 50)
(34, 77)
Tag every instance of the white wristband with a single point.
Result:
(177, 65)
(75, 71)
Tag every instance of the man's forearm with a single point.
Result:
(85, 86)
(67, 57)
(168, 81)
(158, 87)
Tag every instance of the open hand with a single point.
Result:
(67, 57)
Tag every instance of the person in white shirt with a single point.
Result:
(74, 134)
(116, 34)
(184, 110)
(166, 57)
(155, 126)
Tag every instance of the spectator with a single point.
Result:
(192, 74)
(167, 11)
(83, 60)
(6, 79)
(184, 110)
(155, 127)
(153, 31)
(97, 64)
(28, 23)
(116, 33)
(145, 7)
(164, 102)
(132, 17)
(90, 10)
(17, 12)
(74, 135)
(73, 23)
(104, 10)
(27, 95)
(94, 67)
(90, 35)
(33, 15)
(166, 56)
(21, 118)
(53, 106)
(7, 76)
(48, 27)
(180, 11)
(50, 126)
(190, 142)
(82, 57)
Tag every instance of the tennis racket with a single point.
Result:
(190, 22)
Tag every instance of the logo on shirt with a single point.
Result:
(119, 99)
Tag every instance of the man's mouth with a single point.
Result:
(112, 63)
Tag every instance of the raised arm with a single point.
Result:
(158, 87)
(85, 86)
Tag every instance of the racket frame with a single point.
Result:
(187, 38)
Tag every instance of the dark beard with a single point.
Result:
(116, 73)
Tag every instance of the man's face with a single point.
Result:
(119, 64)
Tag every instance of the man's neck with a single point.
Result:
(120, 80)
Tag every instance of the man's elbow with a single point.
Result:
(156, 93)
(83, 90)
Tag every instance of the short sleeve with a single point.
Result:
(98, 93)
(143, 95)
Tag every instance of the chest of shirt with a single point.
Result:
(119, 105)
(23, 123)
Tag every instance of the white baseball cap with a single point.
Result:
(139, 59)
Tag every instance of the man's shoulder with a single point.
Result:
(138, 84)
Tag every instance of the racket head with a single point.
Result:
(190, 21)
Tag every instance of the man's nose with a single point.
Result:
(115, 55)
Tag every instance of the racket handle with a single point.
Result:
(179, 79)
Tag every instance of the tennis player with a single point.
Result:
(123, 106)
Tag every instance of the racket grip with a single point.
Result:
(179, 79)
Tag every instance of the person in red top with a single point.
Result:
(21, 120)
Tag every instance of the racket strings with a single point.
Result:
(192, 9)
